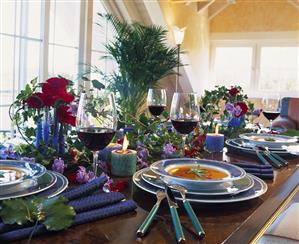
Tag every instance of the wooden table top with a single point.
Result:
(220, 221)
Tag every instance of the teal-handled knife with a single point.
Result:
(150, 217)
(174, 216)
(195, 222)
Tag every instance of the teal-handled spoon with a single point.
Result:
(150, 217)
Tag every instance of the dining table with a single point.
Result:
(223, 223)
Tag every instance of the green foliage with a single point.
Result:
(291, 132)
(53, 212)
(153, 134)
(143, 58)
(212, 102)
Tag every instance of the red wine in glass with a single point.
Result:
(156, 110)
(96, 138)
(184, 126)
(156, 101)
(271, 115)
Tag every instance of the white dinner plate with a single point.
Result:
(258, 189)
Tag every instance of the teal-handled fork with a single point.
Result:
(195, 222)
(150, 217)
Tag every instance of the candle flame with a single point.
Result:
(217, 129)
(125, 143)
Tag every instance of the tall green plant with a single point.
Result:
(143, 58)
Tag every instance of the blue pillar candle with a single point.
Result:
(105, 154)
(215, 141)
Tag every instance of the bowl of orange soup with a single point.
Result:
(197, 173)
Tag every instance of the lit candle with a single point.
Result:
(215, 141)
(123, 161)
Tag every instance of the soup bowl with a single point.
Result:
(197, 173)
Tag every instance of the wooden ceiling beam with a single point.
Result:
(217, 7)
(201, 6)
(188, 1)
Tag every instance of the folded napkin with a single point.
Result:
(89, 204)
(81, 218)
(85, 189)
(259, 170)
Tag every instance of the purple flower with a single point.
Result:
(238, 111)
(83, 176)
(73, 108)
(141, 163)
(58, 165)
(230, 108)
(169, 149)
(256, 112)
(142, 153)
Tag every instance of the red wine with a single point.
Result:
(96, 138)
(156, 110)
(184, 126)
(271, 115)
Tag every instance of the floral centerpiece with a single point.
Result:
(230, 105)
(45, 116)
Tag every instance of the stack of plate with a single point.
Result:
(235, 186)
(20, 178)
(248, 142)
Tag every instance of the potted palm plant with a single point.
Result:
(143, 58)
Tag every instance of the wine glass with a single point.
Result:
(271, 107)
(184, 113)
(96, 122)
(156, 101)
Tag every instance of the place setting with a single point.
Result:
(149, 121)
(21, 178)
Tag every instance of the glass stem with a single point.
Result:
(271, 121)
(95, 163)
(184, 136)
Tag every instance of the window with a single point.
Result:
(233, 64)
(64, 38)
(20, 43)
(258, 66)
(102, 33)
(279, 69)
(41, 39)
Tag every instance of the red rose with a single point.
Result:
(243, 106)
(55, 89)
(65, 117)
(233, 91)
(36, 100)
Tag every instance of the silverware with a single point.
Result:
(149, 219)
(195, 222)
(265, 161)
(174, 216)
(276, 156)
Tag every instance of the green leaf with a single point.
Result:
(56, 215)
(17, 211)
(97, 84)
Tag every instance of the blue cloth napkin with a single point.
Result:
(81, 218)
(89, 205)
(80, 205)
(259, 170)
(85, 189)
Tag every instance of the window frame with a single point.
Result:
(257, 44)
(84, 48)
